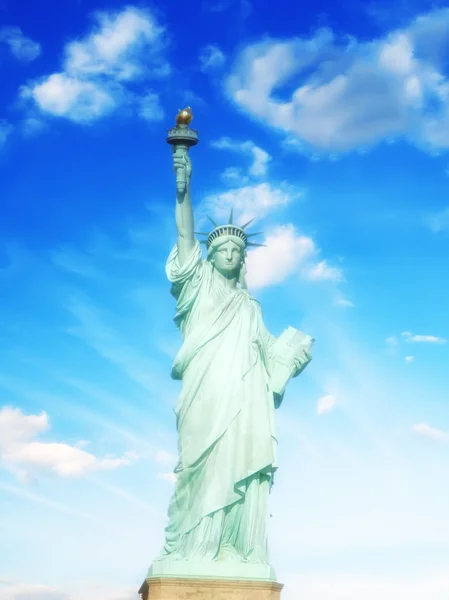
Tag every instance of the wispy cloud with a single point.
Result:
(217, 6)
(260, 158)
(19, 450)
(422, 339)
(5, 130)
(211, 58)
(21, 47)
(35, 497)
(439, 222)
(126, 495)
(92, 329)
(100, 417)
(76, 263)
(351, 94)
(325, 404)
(123, 47)
(344, 302)
(234, 176)
(150, 107)
(426, 430)
(322, 271)
(409, 359)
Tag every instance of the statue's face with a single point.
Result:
(227, 259)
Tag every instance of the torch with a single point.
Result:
(181, 138)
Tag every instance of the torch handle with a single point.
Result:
(180, 151)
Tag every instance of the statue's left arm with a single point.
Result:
(299, 363)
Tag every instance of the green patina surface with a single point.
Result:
(225, 413)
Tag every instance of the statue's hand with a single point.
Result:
(301, 362)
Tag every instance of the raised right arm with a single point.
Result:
(184, 211)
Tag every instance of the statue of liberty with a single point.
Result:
(225, 412)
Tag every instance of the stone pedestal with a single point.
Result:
(176, 588)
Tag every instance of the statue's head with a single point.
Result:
(226, 248)
(227, 254)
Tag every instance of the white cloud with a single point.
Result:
(118, 47)
(79, 100)
(284, 253)
(260, 158)
(392, 341)
(16, 427)
(211, 57)
(122, 47)
(427, 431)
(19, 450)
(322, 271)
(20, 46)
(409, 359)
(250, 201)
(351, 94)
(426, 339)
(260, 161)
(325, 404)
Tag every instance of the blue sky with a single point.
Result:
(330, 125)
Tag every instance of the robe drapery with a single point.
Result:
(225, 419)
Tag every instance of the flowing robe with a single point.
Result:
(225, 419)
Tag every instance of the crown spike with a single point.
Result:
(256, 245)
(248, 235)
(246, 224)
(212, 221)
(231, 217)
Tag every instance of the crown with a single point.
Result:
(229, 229)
